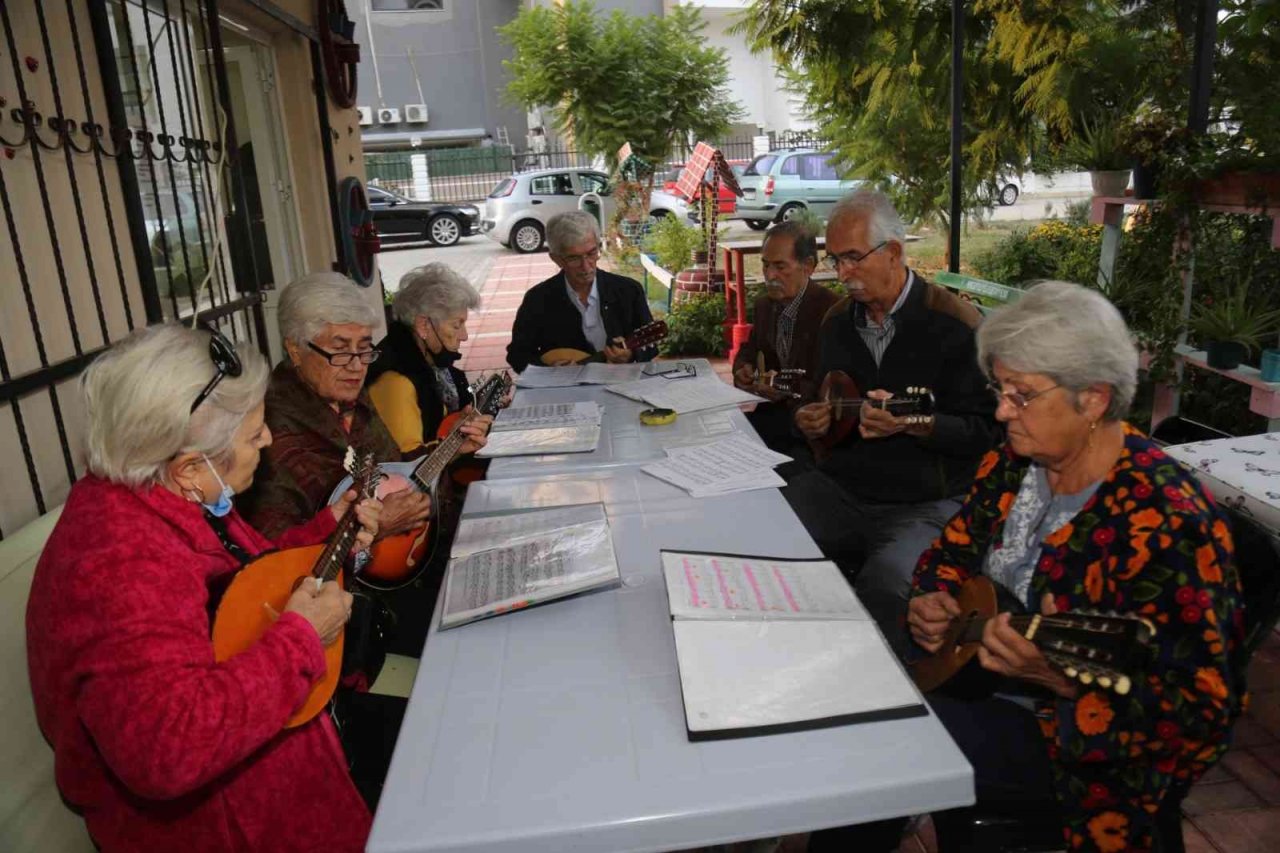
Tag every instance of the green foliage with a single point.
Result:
(1096, 147)
(1233, 317)
(644, 80)
(1050, 250)
(695, 326)
(874, 76)
(673, 243)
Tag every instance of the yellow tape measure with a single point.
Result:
(657, 417)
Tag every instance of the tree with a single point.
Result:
(875, 75)
(647, 81)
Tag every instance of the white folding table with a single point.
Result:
(561, 728)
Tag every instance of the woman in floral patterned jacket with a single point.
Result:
(1078, 510)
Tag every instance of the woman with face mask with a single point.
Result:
(159, 746)
(414, 384)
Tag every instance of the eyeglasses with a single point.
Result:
(576, 260)
(342, 359)
(225, 361)
(1018, 398)
(852, 258)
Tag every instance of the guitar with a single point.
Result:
(1090, 647)
(646, 335)
(259, 592)
(839, 389)
(396, 560)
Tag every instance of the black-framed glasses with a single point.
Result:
(342, 359)
(670, 370)
(852, 258)
(1019, 399)
(225, 360)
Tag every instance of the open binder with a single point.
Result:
(769, 645)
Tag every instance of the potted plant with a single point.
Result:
(1229, 327)
(1096, 148)
(1146, 139)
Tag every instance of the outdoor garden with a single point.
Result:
(1125, 89)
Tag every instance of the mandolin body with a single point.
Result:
(569, 355)
(837, 385)
(978, 601)
(243, 616)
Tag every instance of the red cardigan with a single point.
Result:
(160, 747)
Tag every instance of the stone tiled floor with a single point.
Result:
(1234, 809)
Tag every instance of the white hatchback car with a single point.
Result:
(516, 212)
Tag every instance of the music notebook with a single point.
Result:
(539, 556)
(767, 645)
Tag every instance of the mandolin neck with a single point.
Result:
(430, 469)
(339, 545)
(1026, 625)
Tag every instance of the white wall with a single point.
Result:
(753, 80)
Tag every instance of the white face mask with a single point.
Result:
(222, 505)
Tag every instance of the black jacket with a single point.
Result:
(400, 354)
(547, 319)
(933, 346)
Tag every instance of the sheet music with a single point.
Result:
(498, 580)
(582, 438)
(546, 415)
(477, 533)
(733, 464)
(609, 374)
(725, 586)
(685, 395)
(537, 376)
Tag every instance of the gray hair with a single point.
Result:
(435, 291)
(570, 229)
(320, 299)
(1069, 333)
(883, 221)
(138, 397)
(804, 241)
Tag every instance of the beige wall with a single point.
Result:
(297, 109)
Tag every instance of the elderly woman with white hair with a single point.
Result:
(159, 746)
(317, 407)
(1080, 511)
(414, 383)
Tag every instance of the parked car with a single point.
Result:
(400, 220)
(727, 202)
(517, 211)
(780, 184)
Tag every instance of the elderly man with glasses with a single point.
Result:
(580, 308)
(878, 498)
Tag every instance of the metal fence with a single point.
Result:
(115, 131)
(470, 174)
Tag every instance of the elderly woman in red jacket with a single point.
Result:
(158, 745)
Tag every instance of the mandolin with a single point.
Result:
(781, 382)
(1090, 647)
(257, 595)
(646, 335)
(396, 560)
(839, 389)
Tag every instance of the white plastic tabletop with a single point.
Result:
(1242, 472)
(623, 439)
(561, 728)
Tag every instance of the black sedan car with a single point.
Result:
(403, 220)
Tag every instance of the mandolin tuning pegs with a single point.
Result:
(1071, 672)
(1123, 685)
(1086, 677)
(1104, 682)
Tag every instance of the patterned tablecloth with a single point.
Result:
(1243, 473)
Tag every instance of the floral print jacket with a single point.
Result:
(1150, 541)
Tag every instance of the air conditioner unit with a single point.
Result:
(415, 113)
(366, 116)
(388, 115)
